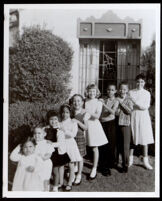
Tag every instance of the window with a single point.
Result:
(107, 64)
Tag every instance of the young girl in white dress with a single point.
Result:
(70, 129)
(140, 119)
(95, 135)
(28, 173)
(44, 150)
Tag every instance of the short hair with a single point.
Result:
(72, 98)
(111, 84)
(40, 127)
(124, 83)
(141, 76)
(62, 108)
(51, 113)
(27, 139)
(92, 86)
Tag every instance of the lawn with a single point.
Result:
(138, 179)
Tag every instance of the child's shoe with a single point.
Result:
(55, 189)
(125, 169)
(93, 173)
(78, 179)
(130, 161)
(146, 163)
(68, 188)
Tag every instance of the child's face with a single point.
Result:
(92, 93)
(77, 103)
(140, 83)
(123, 90)
(28, 148)
(39, 134)
(65, 113)
(54, 122)
(111, 90)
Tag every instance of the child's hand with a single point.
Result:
(86, 116)
(101, 100)
(117, 112)
(75, 120)
(30, 169)
(49, 142)
(46, 156)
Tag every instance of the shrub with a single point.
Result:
(24, 116)
(39, 67)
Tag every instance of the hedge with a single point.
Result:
(40, 67)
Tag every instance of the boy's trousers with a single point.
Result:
(123, 141)
(108, 152)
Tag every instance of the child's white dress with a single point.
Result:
(24, 180)
(42, 148)
(70, 129)
(95, 135)
(140, 119)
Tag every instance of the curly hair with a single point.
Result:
(92, 86)
(141, 76)
(50, 114)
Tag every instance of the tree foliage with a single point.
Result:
(39, 67)
(148, 61)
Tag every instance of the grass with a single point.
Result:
(138, 179)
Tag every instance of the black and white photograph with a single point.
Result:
(81, 100)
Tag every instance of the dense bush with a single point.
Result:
(39, 67)
(24, 116)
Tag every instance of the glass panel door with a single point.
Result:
(107, 64)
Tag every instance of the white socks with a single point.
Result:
(145, 160)
(76, 168)
(78, 179)
(55, 189)
(146, 163)
(130, 161)
(93, 172)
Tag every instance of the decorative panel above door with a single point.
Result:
(108, 30)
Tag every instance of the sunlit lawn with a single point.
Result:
(138, 179)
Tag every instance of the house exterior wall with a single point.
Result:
(84, 38)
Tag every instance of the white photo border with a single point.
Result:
(10, 194)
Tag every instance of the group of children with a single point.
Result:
(107, 126)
